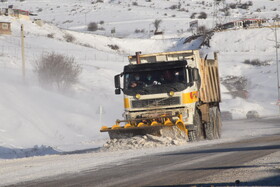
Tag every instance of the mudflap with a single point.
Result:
(164, 131)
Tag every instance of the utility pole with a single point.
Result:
(277, 64)
(86, 19)
(100, 111)
(22, 52)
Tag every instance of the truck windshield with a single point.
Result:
(157, 81)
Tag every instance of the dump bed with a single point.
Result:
(210, 82)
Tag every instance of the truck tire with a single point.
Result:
(198, 124)
(209, 127)
(192, 136)
(198, 134)
(213, 127)
(218, 126)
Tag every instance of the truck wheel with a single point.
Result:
(218, 126)
(209, 127)
(213, 128)
(198, 124)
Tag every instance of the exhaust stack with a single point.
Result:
(138, 61)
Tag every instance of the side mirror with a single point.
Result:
(117, 91)
(195, 74)
(117, 82)
(190, 75)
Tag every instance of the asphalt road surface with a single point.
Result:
(180, 168)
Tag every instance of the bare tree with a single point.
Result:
(156, 24)
(57, 71)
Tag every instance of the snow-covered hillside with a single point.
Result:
(33, 116)
(127, 16)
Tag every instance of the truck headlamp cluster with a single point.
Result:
(137, 96)
(171, 93)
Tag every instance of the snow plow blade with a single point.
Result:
(168, 129)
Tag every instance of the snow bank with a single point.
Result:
(138, 142)
(169, 136)
(10, 153)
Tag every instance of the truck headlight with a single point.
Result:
(137, 96)
(171, 93)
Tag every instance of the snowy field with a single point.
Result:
(36, 121)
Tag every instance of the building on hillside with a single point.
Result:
(21, 14)
(243, 24)
(5, 28)
(18, 13)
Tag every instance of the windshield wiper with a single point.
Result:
(144, 90)
(174, 88)
(168, 87)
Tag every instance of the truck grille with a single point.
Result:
(156, 102)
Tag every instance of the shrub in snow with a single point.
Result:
(202, 29)
(183, 10)
(193, 16)
(232, 5)
(245, 5)
(134, 3)
(113, 30)
(256, 62)
(250, 3)
(114, 47)
(57, 71)
(69, 38)
(173, 7)
(51, 35)
(202, 15)
(86, 45)
(92, 26)
(139, 31)
(156, 24)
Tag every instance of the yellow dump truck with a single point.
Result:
(169, 90)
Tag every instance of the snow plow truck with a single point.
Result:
(169, 92)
